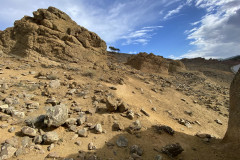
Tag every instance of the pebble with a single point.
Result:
(91, 146)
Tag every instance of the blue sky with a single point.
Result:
(170, 28)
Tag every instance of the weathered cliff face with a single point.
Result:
(233, 132)
(51, 33)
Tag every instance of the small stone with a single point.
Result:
(117, 126)
(52, 101)
(135, 126)
(136, 149)
(130, 115)
(75, 136)
(111, 104)
(50, 137)
(4, 117)
(218, 121)
(123, 107)
(122, 141)
(4, 107)
(72, 128)
(38, 147)
(53, 155)
(158, 157)
(54, 84)
(206, 140)
(38, 139)
(144, 112)
(79, 143)
(11, 130)
(197, 122)
(29, 131)
(20, 151)
(26, 142)
(4, 126)
(18, 114)
(12, 141)
(188, 113)
(33, 105)
(83, 132)
(7, 151)
(32, 72)
(91, 146)
(98, 128)
(154, 109)
(49, 148)
(81, 119)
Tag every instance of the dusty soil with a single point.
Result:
(189, 96)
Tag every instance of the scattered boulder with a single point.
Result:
(117, 126)
(136, 149)
(98, 128)
(91, 146)
(172, 150)
(54, 84)
(122, 141)
(83, 132)
(53, 155)
(28, 131)
(82, 118)
(115, 105)
(7, 151)
(130, 114)
(56, 115)
(38, 139)
(50, 137)
(167, 129)
(135, 126)
(111, 104)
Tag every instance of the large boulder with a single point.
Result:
(53, 34)
(233, 131)
(56, 115)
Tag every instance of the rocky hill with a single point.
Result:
(86, 108)
(52, 34)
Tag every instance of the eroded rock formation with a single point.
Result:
(233, 131)
(155, 64)
(51, 33)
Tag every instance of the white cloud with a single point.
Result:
(173, 12)
(217, 35)
(141, 36)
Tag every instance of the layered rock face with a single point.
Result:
(51, 33)
(233, 131)
(152, 63)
